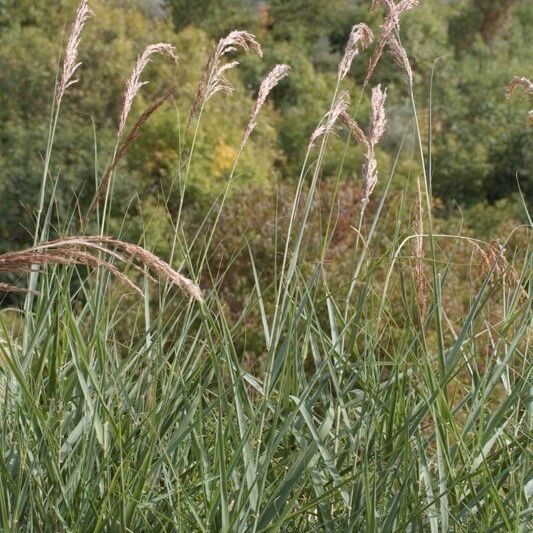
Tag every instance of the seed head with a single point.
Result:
(70, 62)
(134, 83)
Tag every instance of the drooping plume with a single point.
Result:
(134, 83)
(378, 122)
(389, 26)
(91, 251)
(400, 56)
(327, 124)
(70, 62)
(213, 77)
(273, 78)
(518, 81)
(360, 37)
(354, 128)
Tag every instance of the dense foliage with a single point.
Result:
(481, 144)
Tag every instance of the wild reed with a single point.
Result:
(378, 122)
(76, 251)
(360, 37)
(353, 127)
(70, 62)
(134, 83)
(399, 55)
(519, 81)
(329, 122)
(390, 25)
(213, 77)
(421, 281)
(272, 79)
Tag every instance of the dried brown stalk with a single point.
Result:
(354, 128)
(5, 287)
(77, 251)
(130, 139)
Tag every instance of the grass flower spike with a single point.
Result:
(134, 83)
(70, 62)
(213, 77)
(377, 128)
(360, 37)
(273, 78)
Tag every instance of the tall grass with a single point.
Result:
(370, 410)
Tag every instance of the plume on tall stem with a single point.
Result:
(328, 123)
(378, 122)
(400, 57)
(390, 25)
(353, 127)
(213, 77)
(70, 61)
(273, 78)
(360, 37)
(134, 83)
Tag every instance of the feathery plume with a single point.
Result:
(70, 62)
(400, 56)
(494, 262)
(130, 139)
(421, 282)
(518, 81)
(77, 251)
(527, 85)
(360, 37)
(134, 83)
(390, 24)
(378, 122)
(327, 124)
(354, 128)
(273, 78)
(213, 77)
(378, 119)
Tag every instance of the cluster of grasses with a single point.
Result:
(368, 412)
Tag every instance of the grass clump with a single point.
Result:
(372, 404)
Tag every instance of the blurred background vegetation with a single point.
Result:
(482, 146)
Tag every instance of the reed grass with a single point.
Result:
(373, 408)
